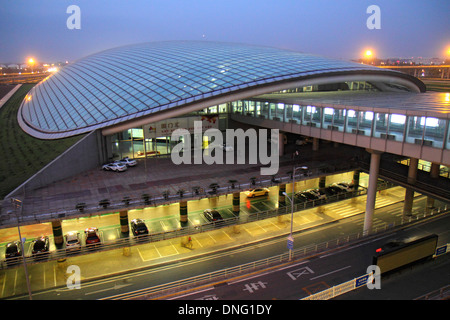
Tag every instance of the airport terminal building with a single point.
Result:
(127, 101)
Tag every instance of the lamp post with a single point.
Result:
(290, 238)
(17, 203)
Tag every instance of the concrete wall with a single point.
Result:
(84, 155)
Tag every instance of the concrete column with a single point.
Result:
(375, 158)
(281, 196)
(356, 175)
(124, 227)
(434, 173)
(315, 144)
(409, 193)
(57, 232)
(236, 203)
(281, 141)
(322, 182)
(183, 211)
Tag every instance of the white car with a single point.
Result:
(226, 147)
(114, 167)
(319, 195)
(127, 161)
(72, 241)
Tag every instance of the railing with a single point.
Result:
(245, 269)
(190, 230)
(36, 216)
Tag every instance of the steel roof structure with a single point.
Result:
(132, 85)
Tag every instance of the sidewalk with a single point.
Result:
(124, 260)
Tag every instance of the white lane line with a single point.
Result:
(190, 294)
(294, 265)
(326, 274)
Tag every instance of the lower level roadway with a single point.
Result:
(180, 267)
(304, 277)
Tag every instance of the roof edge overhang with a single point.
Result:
(242, 92)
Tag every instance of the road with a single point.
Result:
(167, 273)
(305, 277)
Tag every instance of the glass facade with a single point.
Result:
(129, 82)
(427, 131)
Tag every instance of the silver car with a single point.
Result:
(127, 161)
(117, 167)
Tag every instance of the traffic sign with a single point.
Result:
(441, 250)
(290, 243)
(361, 281)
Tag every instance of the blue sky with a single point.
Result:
(334, 28)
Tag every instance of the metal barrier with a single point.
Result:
(190, 230)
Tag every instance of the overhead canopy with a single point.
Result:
(129, 85)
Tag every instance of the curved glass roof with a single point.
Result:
(129, 82)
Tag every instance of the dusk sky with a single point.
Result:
(334, 28)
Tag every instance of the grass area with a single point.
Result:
(436, 85)
(23, 155)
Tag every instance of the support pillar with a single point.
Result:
(375, 158)
(236, 203)
(409, 193)
(322, 182)
(281, 196)
(281, 142)
(57, 232)
(124, 227)
(356, 175)
(183, 211)
(315, 144)
(434, 173)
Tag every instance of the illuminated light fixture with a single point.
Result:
(379, 250)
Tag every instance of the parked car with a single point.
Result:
(299, 197)
(73, 242)
(92, 236)
(212, 215)
(138, 227)
(343, 186)
(13, 252)
(346, 186)
(333, 190)
(310, 196)
(320, 195)
(257, 192)
(40, 247)
(117, 167)
(127, 161)
(225, 147)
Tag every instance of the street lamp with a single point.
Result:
(18, 204)
(290, 238)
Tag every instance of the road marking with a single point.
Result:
(191, 293)
(227, 235)
(174, 247)
(116, 286)
(294, 265)
(295, 274)
(326, 274)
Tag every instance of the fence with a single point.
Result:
(190, 230)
